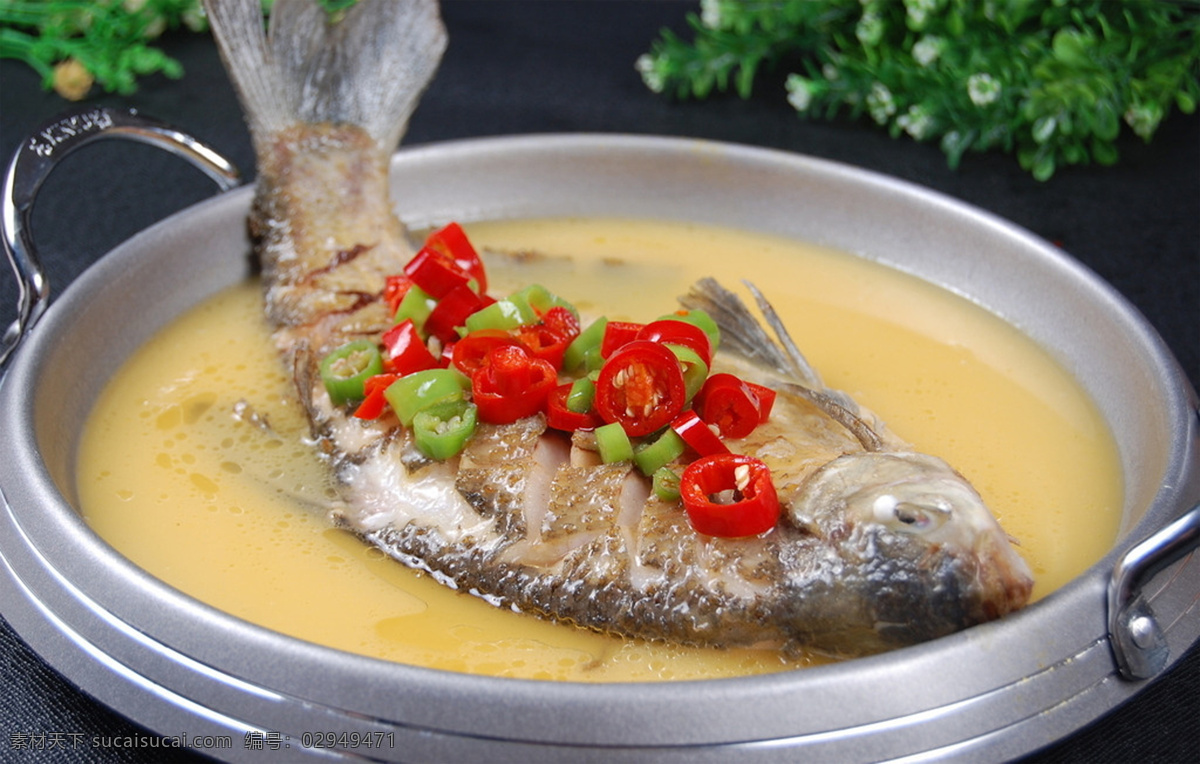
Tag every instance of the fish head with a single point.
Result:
(916, 551)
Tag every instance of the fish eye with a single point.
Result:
(908, 516)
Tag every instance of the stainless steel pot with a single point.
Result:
(991, 692)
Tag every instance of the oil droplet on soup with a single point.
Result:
(193, 463)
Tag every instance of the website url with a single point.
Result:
(70, 741)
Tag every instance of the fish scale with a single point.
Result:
(876, 546)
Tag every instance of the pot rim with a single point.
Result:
(60, 557)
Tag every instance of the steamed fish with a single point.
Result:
(870, 545)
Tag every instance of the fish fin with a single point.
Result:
(833, 404)
(369, 68)
(741, 333)
(800, 366)
(744, 335)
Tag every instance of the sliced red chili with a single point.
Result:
(452, 242)
(542, 342)
(641, 386)
(729, 495)
(562, 322)
(374, 403)
(511, 385)
(451, 312)
(729, 403)
(435, 273)
(447, 355)
(550, 338)
(766, 400)
(403, 350)
(617, 334)
(560, 417)
(697, 434)
(679, 333)
(470, 351)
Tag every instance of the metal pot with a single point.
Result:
(991, 692)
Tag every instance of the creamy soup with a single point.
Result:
(194, 463)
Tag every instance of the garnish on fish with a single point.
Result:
(480, 456)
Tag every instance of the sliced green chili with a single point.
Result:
(423, 389)
(583, 391)
(539, 299)
(653, 456)
(588, 340)
(694, 369)
(346, 370)
(442, 430)
(416, 305)
(613, 443)
(665, 484)
(502, 314)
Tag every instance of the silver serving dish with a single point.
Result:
(992, 692)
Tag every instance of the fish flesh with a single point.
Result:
(877, 546)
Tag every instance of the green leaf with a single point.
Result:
(1104, 152)
(1061, 74)
(1071, 47)
(1043, 167)
(1043, 128)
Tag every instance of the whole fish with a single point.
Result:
(877, 546)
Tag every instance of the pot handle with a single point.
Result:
(1138, 642)
(39, 155)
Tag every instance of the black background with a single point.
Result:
(530, 67)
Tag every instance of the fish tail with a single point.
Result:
(368, 68)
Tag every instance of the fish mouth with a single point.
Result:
(1005, 578)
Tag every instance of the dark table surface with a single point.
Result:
(528, 67)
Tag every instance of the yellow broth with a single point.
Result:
(194, 463)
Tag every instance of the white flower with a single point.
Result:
(1144, 119)
(983, 88)
(927, 50)
(194, 18)
(156, 27)
(880, 103)
(830, 72)
(647, 67)
(919, 10)
(710, 13)
(917, 122)
(869, 30)
(800, 92)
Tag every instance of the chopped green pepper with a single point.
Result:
(442, 430)
(539, 299)
(653, 456)
(416, 305)
(593, 359)
(665, 484)
(579, 400)
(613, 443)
(423, 389)
(502, 314)
(346, 370)
(588, 340)
(695, 371)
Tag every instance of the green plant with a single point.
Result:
(72, 43)
(75, 43)
(1050, 80)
